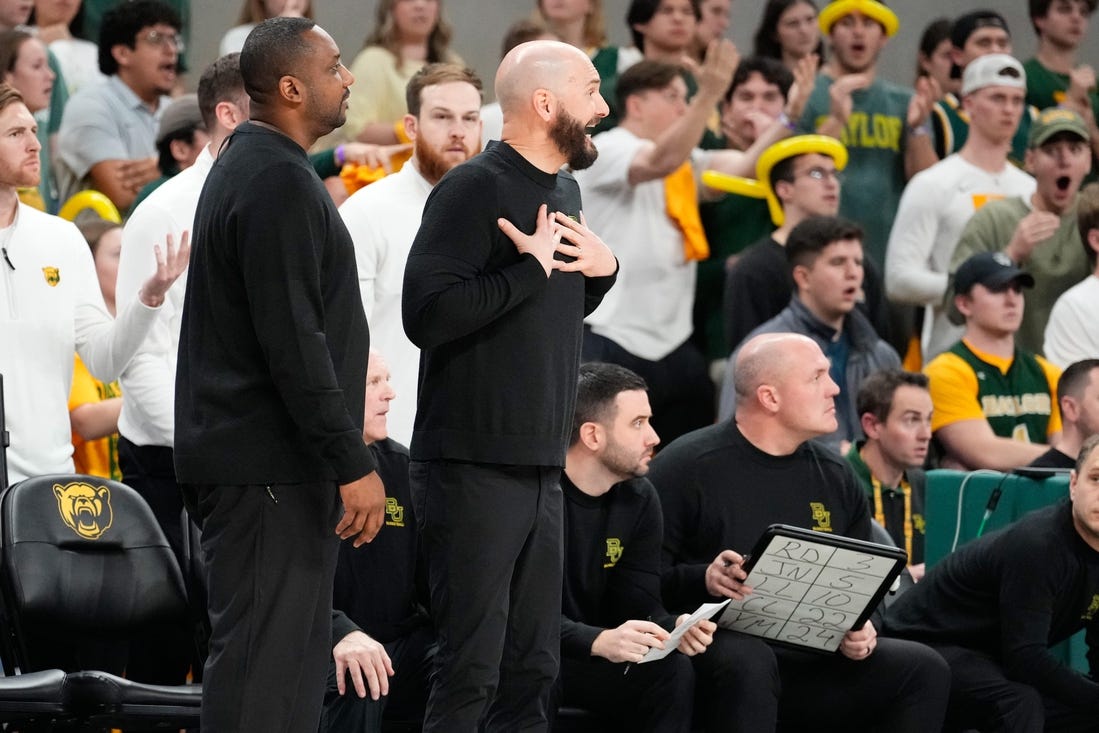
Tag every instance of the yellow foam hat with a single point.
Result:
(90, 199)
(768, 159)
(870, 8)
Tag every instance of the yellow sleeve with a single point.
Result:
(953, 387)
(1053, 376)
(84, 388)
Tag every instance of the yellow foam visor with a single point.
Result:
(760, 188)
(833, 11)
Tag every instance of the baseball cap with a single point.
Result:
(991, 269)
(180, 115)
(965, 25)
(993, 69)
(873, 9)
(1053, 120)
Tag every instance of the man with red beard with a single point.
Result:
(498, 281)
(51, 306)
(444, 124)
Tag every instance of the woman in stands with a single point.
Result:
(254, 11)
(407, 35)
(788, 32)
(25, 66)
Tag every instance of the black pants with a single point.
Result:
(981, 696)
(412, 657)
(492, 539)
(270, 556)
(655, 697)
(150, 471)
(680, 390)
(901, 688)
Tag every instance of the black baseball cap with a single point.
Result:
(965, 25)
(991, 269)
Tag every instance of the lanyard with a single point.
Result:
(879, 512)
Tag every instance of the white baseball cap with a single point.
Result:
(993, 69)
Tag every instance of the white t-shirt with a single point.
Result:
(933, 211)
(149, 380)
(383, 219)
(1072, 332)
(648, 311)
(79, 62)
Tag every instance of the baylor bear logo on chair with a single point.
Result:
(85, 509)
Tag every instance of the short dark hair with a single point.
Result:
(432, 74)
(1085, 452)
(772, 71)
(165, 161)
(809, 238)
(642, 77)
(783, 171)
(220, 82)
(876, 392)
(1040, 9)
(933, 34)
(766, 36)
(273, 49)
(1087, 217)
(124, 21)
(642, 11)
(1075, 378)
(598, 386)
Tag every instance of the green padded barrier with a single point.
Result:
(1019, 496)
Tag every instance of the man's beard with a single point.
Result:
(622, 462)
(432, 164)
(571, 138)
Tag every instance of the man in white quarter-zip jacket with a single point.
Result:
(51, 306)
(444, 124)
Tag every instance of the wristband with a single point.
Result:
(919, 130)
(787, 122)
(341, 156)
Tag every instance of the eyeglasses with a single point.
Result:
(823, 174)
(166, 40)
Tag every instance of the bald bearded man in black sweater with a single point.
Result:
(498, 281)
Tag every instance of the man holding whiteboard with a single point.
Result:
(722, 486)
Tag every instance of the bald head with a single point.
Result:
(766, 359)
(534, 65)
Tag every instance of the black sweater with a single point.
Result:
(500, 341)
(380, 586)
(273, 344)
(720, 492)
(612, 562)
(1012, 594)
